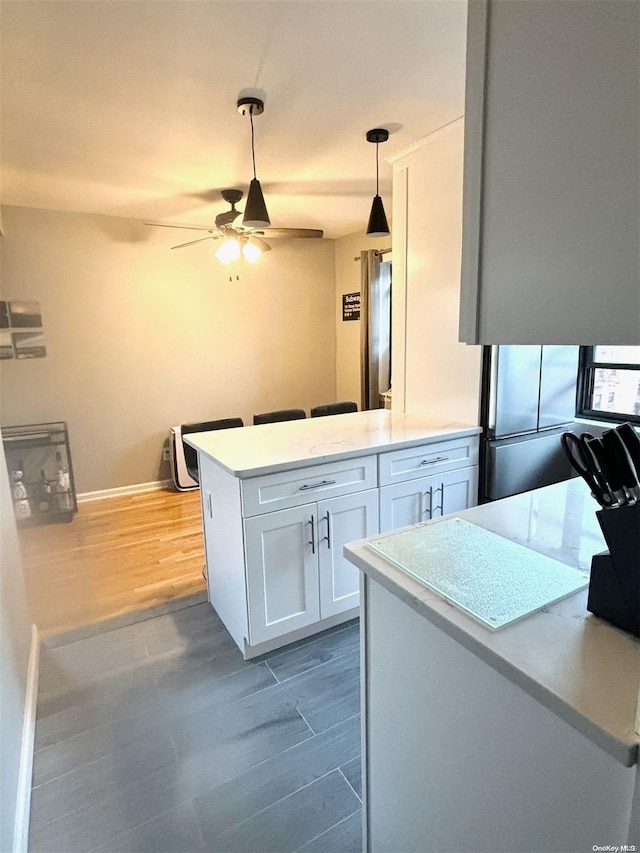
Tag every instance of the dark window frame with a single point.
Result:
(586, 375)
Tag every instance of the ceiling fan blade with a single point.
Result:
(264, 246)
(191, 242)
(294, 232)
(188, 227)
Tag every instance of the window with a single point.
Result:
(609, 387)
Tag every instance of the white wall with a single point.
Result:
(140, 337)
(15, 644)
(433, 374)
(348, 331)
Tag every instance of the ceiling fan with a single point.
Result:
(245, 239)
(238, 238)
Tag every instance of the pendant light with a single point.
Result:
(255, 211)
(377, 226)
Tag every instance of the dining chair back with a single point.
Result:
(280, 415)
(341, 408)
(184, 459)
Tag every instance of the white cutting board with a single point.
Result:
(491, 578)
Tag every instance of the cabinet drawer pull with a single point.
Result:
(437, 459)
(317, 485)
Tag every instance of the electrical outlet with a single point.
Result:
(165, 454)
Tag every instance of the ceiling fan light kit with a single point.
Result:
(255, 211)
(377, 225)
(250, 247)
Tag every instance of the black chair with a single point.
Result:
(190, 456)
(281, 415)
(334, 409)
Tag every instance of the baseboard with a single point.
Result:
(23, 804)
(135, 489)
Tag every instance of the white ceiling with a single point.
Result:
(129, 108)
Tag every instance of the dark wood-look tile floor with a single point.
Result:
(157, 736)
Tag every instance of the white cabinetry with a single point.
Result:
(473, 746)
(432, 370)
(282, 573)
(274, 541)
(407, 496)
(340, 520)
(408, 503)
(296, 574)
(551, 224)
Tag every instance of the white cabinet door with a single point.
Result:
(406, 503)
(551, 224)
(454, 491)
(341, 520)
(282, 572)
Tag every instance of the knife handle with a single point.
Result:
(617, 460)
(599, 464)
(631, 441)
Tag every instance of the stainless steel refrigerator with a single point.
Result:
(528, 401)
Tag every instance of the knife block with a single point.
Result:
(614, 587)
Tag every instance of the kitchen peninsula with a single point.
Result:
(523, 738)
(279, 501)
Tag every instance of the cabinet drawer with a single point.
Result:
(304, 485)
(412, 462)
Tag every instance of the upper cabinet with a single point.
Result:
(551, 222)
(432, 372)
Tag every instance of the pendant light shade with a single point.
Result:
(228, 251)
(377, 226)
(255, 212)
(251, 251)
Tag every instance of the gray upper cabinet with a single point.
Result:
(551, 214)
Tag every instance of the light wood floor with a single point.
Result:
(118, 555)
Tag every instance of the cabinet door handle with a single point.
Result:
(430, 508)
(427, 509)
(433, 461)
(317, 485)
(440, 506)
(312, 541)
(327, 538)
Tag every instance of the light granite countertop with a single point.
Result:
(255, 450)
(580, 667)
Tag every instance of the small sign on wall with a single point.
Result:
(351, 306)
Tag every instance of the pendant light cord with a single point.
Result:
(377, 187)
(253, 151)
